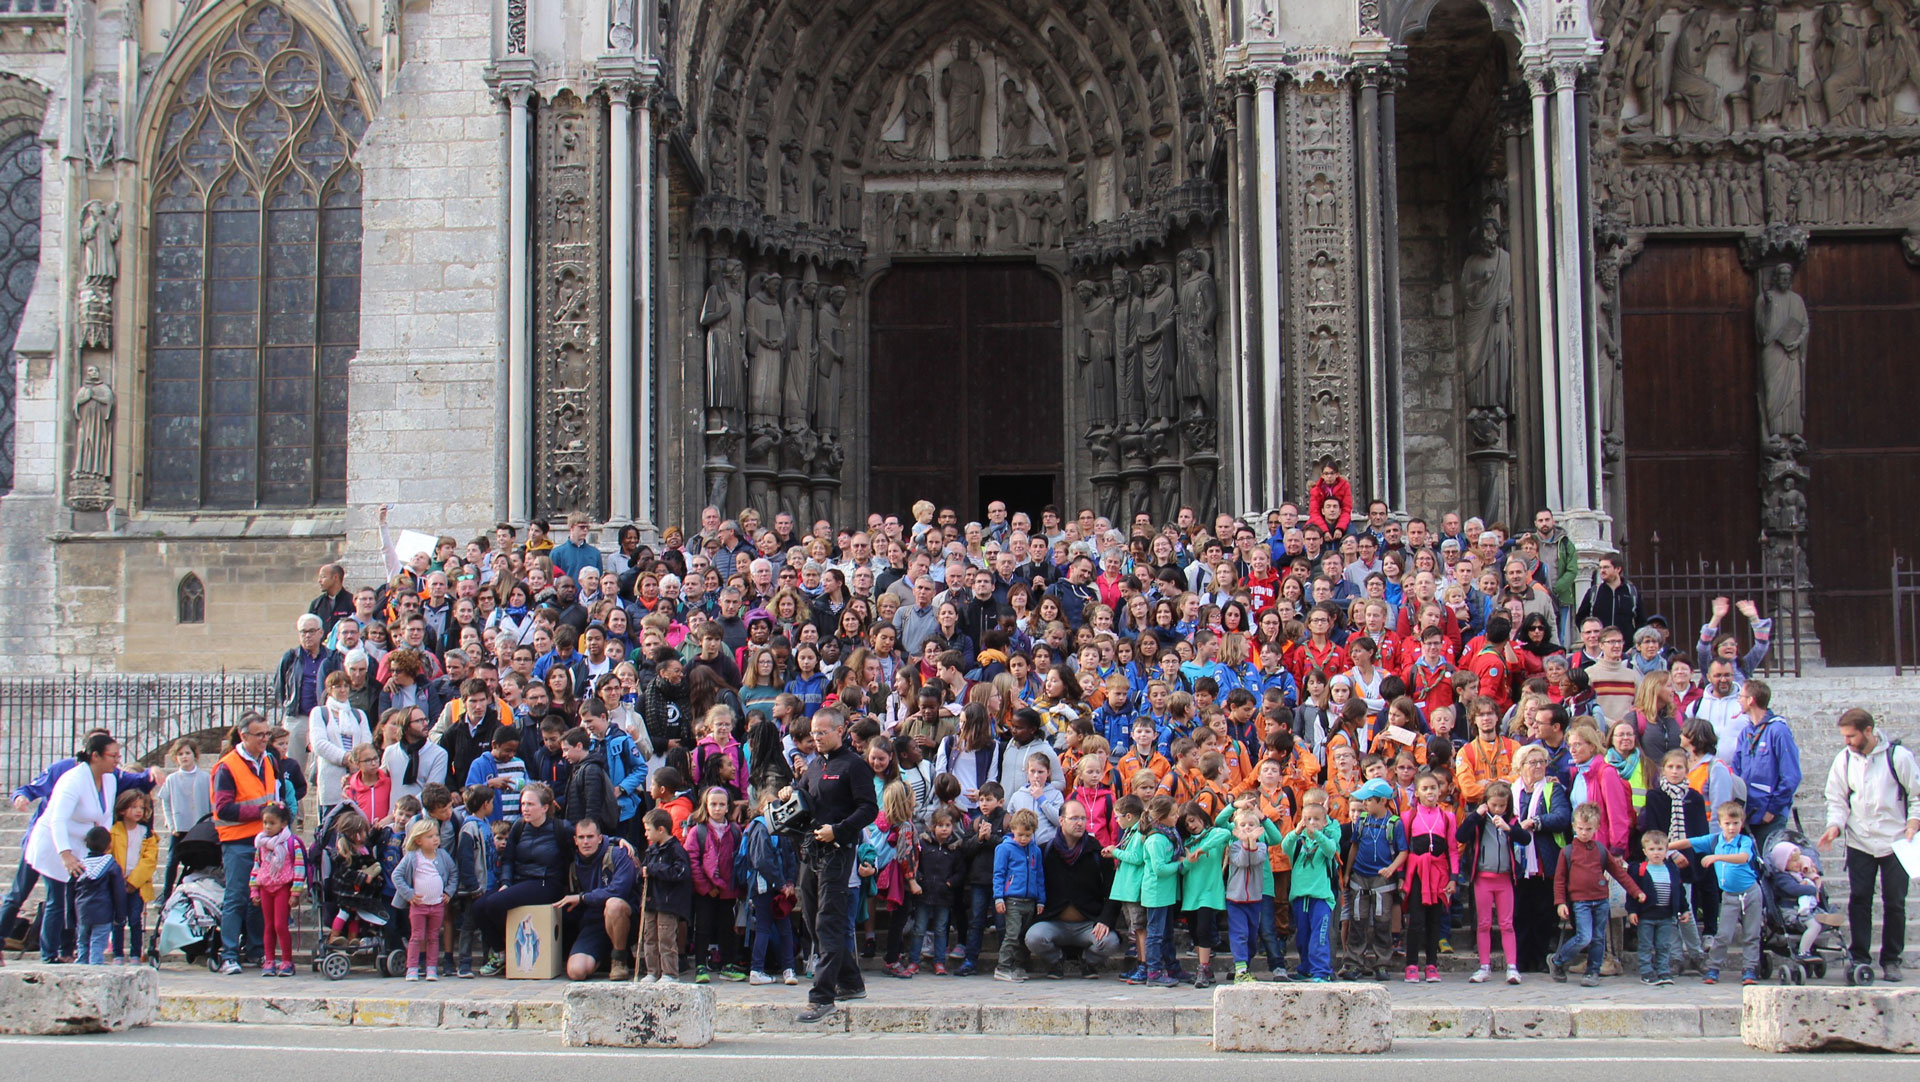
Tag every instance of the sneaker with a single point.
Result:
(939, 969)
(1433, 974)
(669, 978)
(1559, 969)
(1591, 980)
(1008, 973)
(1513, 975)
(286, 968)
(1663, 981)
(1161, 979)
(651, 978)
(700, 975)
(1712, 976)
(1089, 970)
(1480, 975)
(967, 969)
(1057, 971)
(1750, 977)
(731, 973)
(493, 966)
(466, 972)
(413, 975)
(229, 969)
(1649, 979)
(1204, 979)
(1446, 946)
(850, 993)
(1136, 975)
(1413, 975)
(787, 977)
(268, 970)
(757, 977)
(1241, 974)
(433, 974)
(1890, 972)
(816, 1012)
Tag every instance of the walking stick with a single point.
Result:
(640, 925)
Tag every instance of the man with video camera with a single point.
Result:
(838, 788)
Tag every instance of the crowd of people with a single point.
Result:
(1334, 739)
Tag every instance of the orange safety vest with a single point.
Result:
(249, 788)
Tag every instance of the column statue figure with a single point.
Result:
(1199, 357)
(92, 444)
(1486, 296)
(965, 88)
(1780, 324)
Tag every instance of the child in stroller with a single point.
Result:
(355, 916)
(1797, 915)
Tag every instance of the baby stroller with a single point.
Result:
(1787, 915)
(343, 886)
(190, 916)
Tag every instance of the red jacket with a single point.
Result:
(1490, 667)
(1581, 875)
(710, 850)
(1322, 491)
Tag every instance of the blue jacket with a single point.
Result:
(1018, 871)
(811, 691)
(773, 862)
(1282, 680)
(610, 873)
(1767, 759)
(41, 787)
(1556, 819)
(1115, 725)
(624, 765)
(100, 896)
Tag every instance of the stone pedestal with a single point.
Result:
(1324, 1018)
(623, 1014)
(1803, 1019)
(60, 1000)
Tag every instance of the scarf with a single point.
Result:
(990, 657)
(1677, 807)
(516, 613)
(1536, 806)
(1624, 765)
(412, 752)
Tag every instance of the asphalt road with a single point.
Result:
(304, 1054)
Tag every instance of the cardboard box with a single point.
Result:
(533, 943)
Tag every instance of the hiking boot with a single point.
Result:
(1559, 969)
(1204, 979)
(816, 1012)
(621, 968)
(1160, 979)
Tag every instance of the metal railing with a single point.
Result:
(1906, 614)
(1684, 593)
(42, 718)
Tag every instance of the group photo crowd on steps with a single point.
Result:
(1320, 743)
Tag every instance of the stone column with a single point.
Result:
(621, 256)
(1571, 294)
(1251, 397)
(1372, 281)
(1539, 85)
(1266, 191)
(519, 288)
(647, 288)
(1390, 272)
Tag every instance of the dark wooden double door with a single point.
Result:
(965, 393)
(1693, 426)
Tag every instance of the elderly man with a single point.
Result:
(1079, 911)
(917, 622)
(300, 680)
(599, 908)
(244, 781)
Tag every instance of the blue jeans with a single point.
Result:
(1589, 934)
(24, 878)
(929, 918)
(979, 914)
(1657, 941)
(91, 941)
(55, 936)
(771, 935)
(238, 915)
(1313, 934)
(1160, 957)
(1270, 935)
(130, 935)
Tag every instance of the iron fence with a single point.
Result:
(1684, 592)
(42, 718)
(1906, 615)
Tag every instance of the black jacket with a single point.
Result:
(330, 608)
(463, 745)
(667, 886)
(587, 790)
(1473, 830)
(663, 709)
(1677, 902)
(1078, 880)
(1613, 606)
(943, 872)
(840, 785)
(1657, 814)
(978, 851)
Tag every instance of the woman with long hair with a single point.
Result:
(970, 755)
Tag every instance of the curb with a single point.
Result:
(1663, 1022)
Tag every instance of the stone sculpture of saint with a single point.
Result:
(830, 361)
(1767, 58)
(1780, 324)
(93, 427)
(919, 116)
(100, 233)
(1093, 349)
(723, 315)
(1840, 60)
(766, 342)
(1486, 295)
(1016, 121)
(1156, 331)
(1697, 97)
(1199, 307)
(964, 87)
(1126, 385)
(803, 344)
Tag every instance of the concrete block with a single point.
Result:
(1802, 1019)
(1033, 1021)
(1137, 1020)
(1442, 1021)
(864, 1017)
(773, 1018)
(1720, 1021)
(295, 1010)
(1192, 1020)
(57, 1000)
(1335, 1018)
(199, 1008)
(411, 1013)
(1643, 1022)
(478, 1014)
(1532, 1022)
(537, 1014)
(627, 1015)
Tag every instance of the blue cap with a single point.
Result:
(1374, 790)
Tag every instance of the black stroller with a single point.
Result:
(359, 888)
(190, 915)
(1784, 923)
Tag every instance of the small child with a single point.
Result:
(1128, 855)
(716, 738)
(666, 898)
(1314, 850)
(184, 798)
(1796, 882)
(773, 869)
(420, 882)
(503, 772)
(1488, 835)
(99, 895)
(293, 780)
(354, 887)
(1091, 791)
(368, 786)
(978, 849)
(137, 850)
(942, 875)
(1162, 863)
(670, 795)
(474, 855)
(1019, 887)
(279, 877)
(1580, 893)
(1663, 883)
(1375, 852)
(712, 841)
(1249, 883)
(1203, 884)
(1433, 860)
(1734, 860)
(1045, 803)
(1143, 755)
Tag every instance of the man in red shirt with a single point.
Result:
(1490, 667)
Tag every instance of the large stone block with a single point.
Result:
(1336, 1018)
(1532, 1022)
(1802, 1019)
(864, 1017)
(1033, 1020)
(626, 1015)
(58, 1000)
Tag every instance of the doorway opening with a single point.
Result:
(1027, 492)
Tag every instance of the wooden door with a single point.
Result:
(1863, 311)
(1692, 421)
(965, 381)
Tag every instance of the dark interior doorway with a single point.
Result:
(965, 395)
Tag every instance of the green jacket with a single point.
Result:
(1203, 883)
(1316, 858)
(1270, 836)
(1129, 857)
(1566, 567)
(1160, 876)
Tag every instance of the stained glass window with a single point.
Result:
(255, 290)
(19, 258)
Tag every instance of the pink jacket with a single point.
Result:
(732, 750)
(1606, 788)
(710, 849)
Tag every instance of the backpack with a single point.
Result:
(1899, 787)
(742, 873)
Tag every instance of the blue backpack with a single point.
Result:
(742, 873)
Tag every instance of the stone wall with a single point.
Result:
(1430, 383)
(426, 388)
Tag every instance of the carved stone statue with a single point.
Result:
(1016, 121)
(964, 87)
(723, 314)
(92, 443)
(757, 168)
(1486, 297)
(1840, 62)
(100, 233)
(803, 345)
(1786, 506)
(1769, 57)
(1127, 386)
(1156, 332)
(1891, 66)
(1096, 116)
(1093, 349)
(766, 342)
(831, 362)
(918, 112)
(823, 190)
(790, 180)
(720, 157)
(1780, 324)
(1199, 308)
(1696, 98)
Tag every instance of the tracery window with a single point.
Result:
(255, 284)
(19, 258)
(191, 600)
